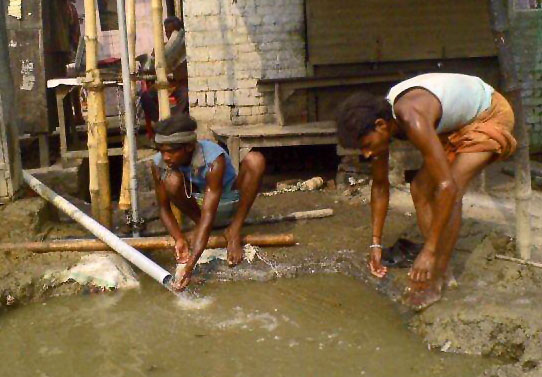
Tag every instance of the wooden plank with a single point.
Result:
(288, 141)
(333, 82)
(323, 82)
(84, 153)
(352, 31)
(314, 128)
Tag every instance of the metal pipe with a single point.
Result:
(128, 252)
(129, 117)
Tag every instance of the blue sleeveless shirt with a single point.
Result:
(205, 154)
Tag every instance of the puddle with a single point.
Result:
(310, 326)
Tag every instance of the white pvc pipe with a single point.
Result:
(129, 117)
(104, 234)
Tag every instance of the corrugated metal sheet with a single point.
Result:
(353, 31)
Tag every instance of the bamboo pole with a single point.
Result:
(124, 199)
(162, 84)
(100, 190)
(500, 29)
(160, 59)
(144, 243)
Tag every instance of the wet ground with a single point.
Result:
(309, 326)
(494, 312)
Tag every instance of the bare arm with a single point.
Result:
(380, 196)
(166, 215)
(213, 192)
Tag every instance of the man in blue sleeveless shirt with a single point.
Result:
(459, 124)
(184, 164)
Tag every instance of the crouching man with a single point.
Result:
(460, 124)
(184, 165)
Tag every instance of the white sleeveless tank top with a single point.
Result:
(462, 97)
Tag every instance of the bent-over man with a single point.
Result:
(460, 124)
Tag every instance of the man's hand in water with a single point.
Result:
(182, 250)
(182, 283)
(375, 263)
(423, 268)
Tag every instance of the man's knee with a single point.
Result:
(254, 161)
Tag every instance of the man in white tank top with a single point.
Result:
(460, 124)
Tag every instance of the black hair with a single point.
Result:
(357, 115)
(175, 21)
(179, 122)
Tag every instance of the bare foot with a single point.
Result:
(235, 247)
(419, 299)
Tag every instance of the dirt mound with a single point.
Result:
(495, 312)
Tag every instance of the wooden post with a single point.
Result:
(500, 29)
(100, 189)
(10, 156)
(124, 199)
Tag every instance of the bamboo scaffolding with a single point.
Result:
(500, 28)
(124, 199)
(146, 243)
(100, 189)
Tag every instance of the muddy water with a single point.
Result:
(311, 326)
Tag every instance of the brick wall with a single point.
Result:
(527, 39)
(230, 45)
